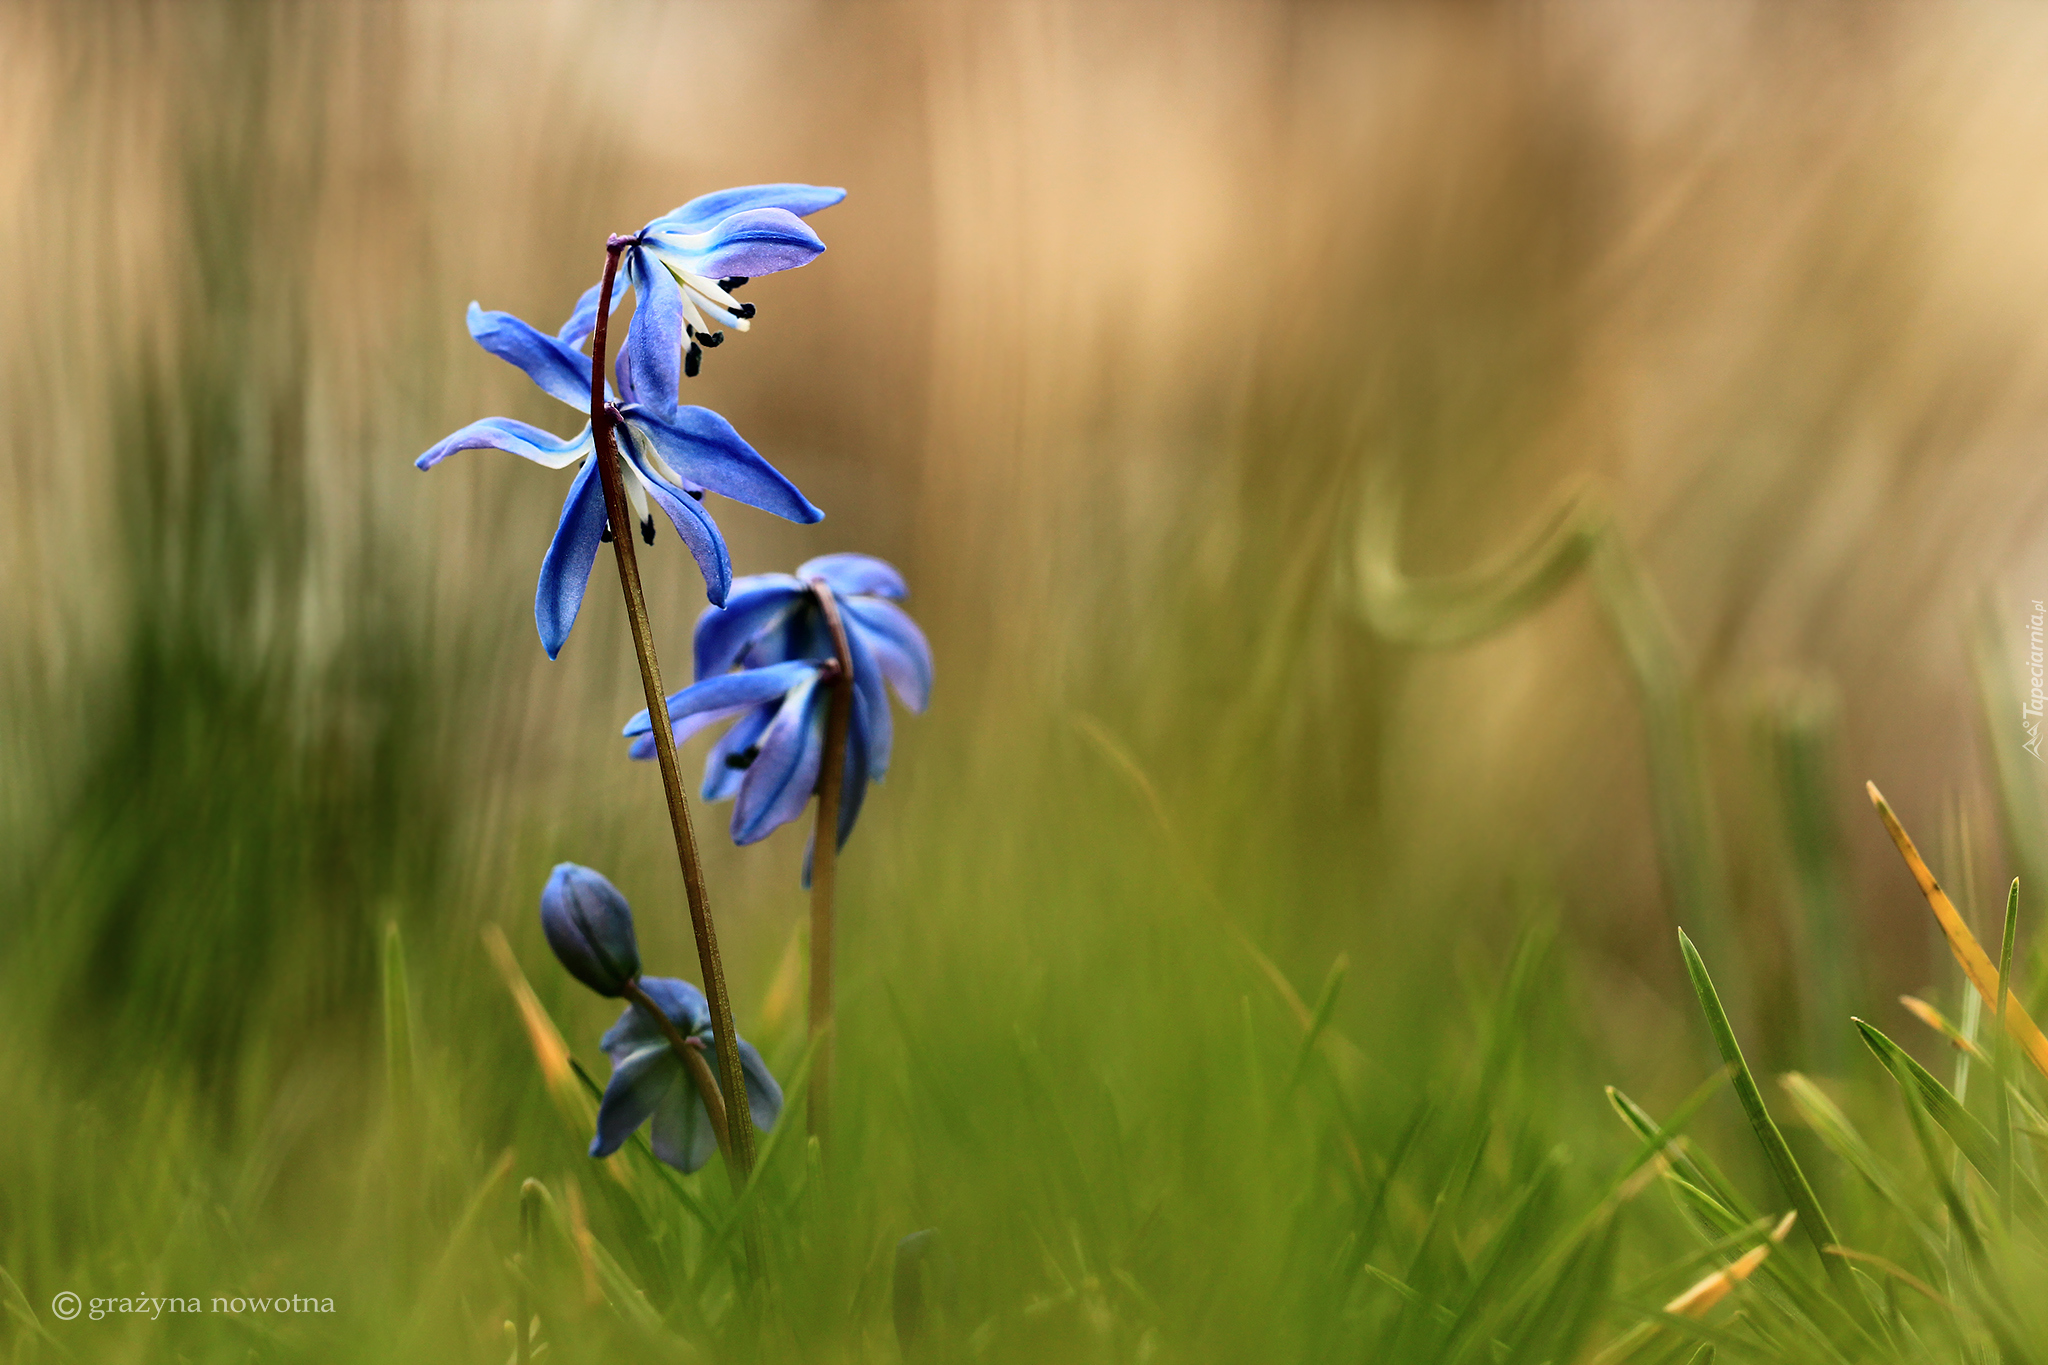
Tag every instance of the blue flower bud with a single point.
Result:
(590, 927)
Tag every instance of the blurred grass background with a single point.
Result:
(1126, 302)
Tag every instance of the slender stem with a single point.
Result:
(825, 865)
(693, 1062)
(740, 1159)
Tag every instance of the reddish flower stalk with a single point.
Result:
(740, 1136)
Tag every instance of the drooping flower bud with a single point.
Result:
(590, 927)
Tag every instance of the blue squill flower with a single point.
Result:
(672, 454)
(590, 927)
(649, 1080)
(710, 247)
(773, 629)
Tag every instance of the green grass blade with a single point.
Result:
(1841, 1137)
(1820, 1231)
(1970, 1136)
(1326, 1005)
(1692, 1167)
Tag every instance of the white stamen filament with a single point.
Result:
(700, 292)
(636, 492)
(652, 458)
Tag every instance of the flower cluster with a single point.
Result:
(590, 927)
(785, 657)
(682, 269)
(774, 630)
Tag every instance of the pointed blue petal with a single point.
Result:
(565, 572)
(861, 767)
(681, 1001)
(898, 645)
(560, 369)
(757, 603)
(706, 210)
(682, 1134)
(752, 243)
(849, 574)
(698, 531)
(855, 774)
(637, 1085)
(629, 381)
(785, 773)
(751, 688)
(642, 734)
(871, 691)
(764, 1092)
(515, 438)
(702, 447)
(728, 690)
(654, 345)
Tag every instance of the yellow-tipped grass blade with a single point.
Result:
(557, 1068)
(1981, 970)
(1695, 1302)
(1939, 1022)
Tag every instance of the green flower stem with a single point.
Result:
(825, 866)
(741, 1157)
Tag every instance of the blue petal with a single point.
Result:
(696, 528)
(750, 688)
(583, 319)
(801, 635)
(854, 776)
(898, 645)
(514, 437)
(682, 1002)
(785, 773)
(706, 210)
(861, 767)
(871, 693)
(643, 747)
(751, 243)
(565, 572)
(638, 1084)
(560, 369)
(848, 574)
(702, 447)
(722, 778)
(629, 382)
(764, 1092)
(654, 345)
(682, 1134)
(757, 603)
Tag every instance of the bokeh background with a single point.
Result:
(1127, 307)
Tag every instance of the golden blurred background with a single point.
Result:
(1124, 303)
